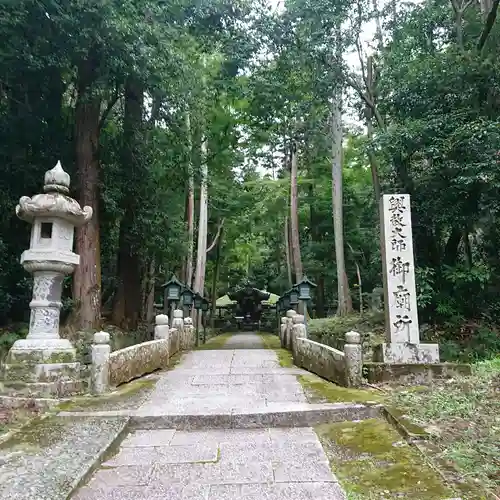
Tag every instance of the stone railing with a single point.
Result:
(341, 367)
(110, 369)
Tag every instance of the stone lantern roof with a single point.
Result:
(54, 202)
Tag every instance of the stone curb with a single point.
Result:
(419, 438)
(93, 464)
(239, 420)
(409, 431)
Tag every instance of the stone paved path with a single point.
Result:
(225, 464)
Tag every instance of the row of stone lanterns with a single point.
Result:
(178, 293)
(300, 292)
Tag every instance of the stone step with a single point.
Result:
(41, 372)
(63, 388)
(237, 419)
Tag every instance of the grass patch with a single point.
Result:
(372, 462)
(273, 342)
(319, 390)
(214, 343)
(463, 417)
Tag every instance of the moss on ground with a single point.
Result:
(319, 390)
(373, 462)
(125, 393)
(273, 342)
(39, 433)
(12, 420)
(462, 416)
(217, 342)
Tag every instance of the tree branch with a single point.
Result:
(109, 107)
(369, 102)
(490, 21)
(219, 229)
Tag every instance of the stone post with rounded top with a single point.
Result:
(43, 358)
(353, 351)
(289, 323)
(189, 333)
(178, 324)
(283, 331)
(298, 330)
(99, 373)
(161, 327)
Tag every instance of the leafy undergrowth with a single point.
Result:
(331, 331)
(373, 462)
(462, 416)
(272, 341)
(318, 390)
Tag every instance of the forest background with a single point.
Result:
(211, 140)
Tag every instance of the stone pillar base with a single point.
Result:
(45, 368)
(398, 353)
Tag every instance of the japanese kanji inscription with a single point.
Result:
(399, 269)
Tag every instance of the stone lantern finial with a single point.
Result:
(56, 180)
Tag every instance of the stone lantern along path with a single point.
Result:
(44, 363)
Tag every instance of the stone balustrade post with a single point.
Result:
(353, 351)
(189, 333)
(100, 352)
(298, 331)
(283, 331)
(289, 323)
(178, 324)
(161, 327)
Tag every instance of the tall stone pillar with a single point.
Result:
(44, 358)
(400, 297)
(289, 324)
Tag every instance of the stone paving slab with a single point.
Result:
(199, 453)
(49, 460)
(256, 464)
(223, 426)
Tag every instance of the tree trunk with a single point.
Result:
(87, 276)
(378, 32)
(188, 265)
(369, 125)
(149, 306)
(294, 215)
(215, 279)
(344, 295)
(287, 252)
(201, 252)
(127, 303)
(320, 297)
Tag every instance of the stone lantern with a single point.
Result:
(44, 358)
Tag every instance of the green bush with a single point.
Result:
(8, 337)
(331, 331)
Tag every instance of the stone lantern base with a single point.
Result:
(41, 369)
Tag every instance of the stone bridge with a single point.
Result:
(226, 423)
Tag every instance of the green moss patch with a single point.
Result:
(273, 342)
(372, 461)
(462, 417)
(217, 342)
(39, 433)
(319, 390)
(127, 395)
(12, 420)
